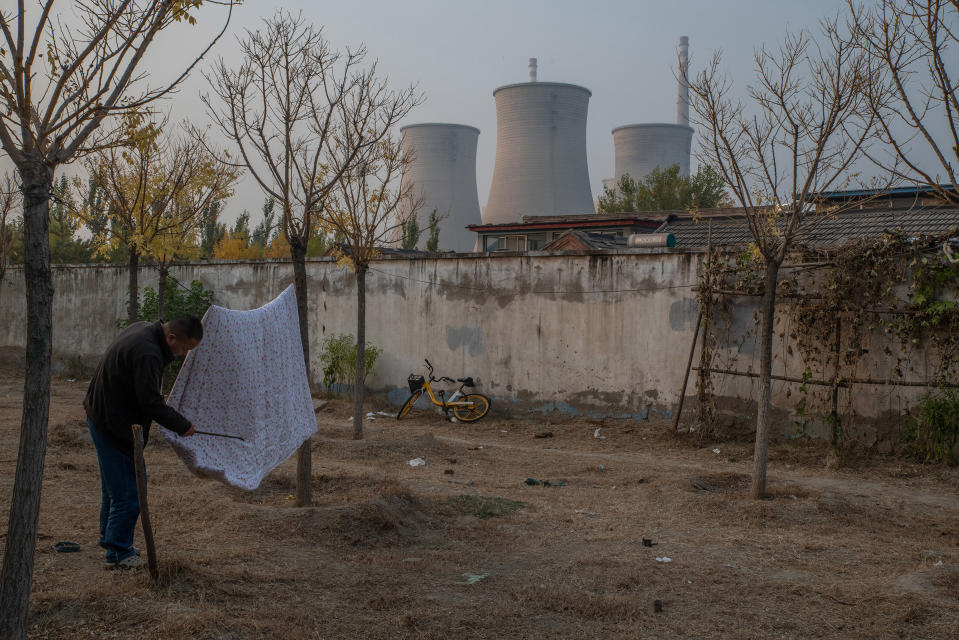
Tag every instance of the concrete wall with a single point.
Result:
(536, 332)
(599, 334)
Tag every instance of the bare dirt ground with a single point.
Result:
(868, 548)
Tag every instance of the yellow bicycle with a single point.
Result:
(466, 407)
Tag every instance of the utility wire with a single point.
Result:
(536, 291)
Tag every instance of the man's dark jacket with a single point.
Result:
(126, 387)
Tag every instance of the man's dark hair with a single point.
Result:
(187, 326)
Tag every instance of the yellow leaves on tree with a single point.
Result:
(156, 188)
(237, 246)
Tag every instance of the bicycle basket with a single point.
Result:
(415, 382)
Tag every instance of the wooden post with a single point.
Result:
(141, 470)
(689, 366)
(836, 427)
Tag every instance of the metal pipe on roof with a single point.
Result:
(646, 240)
(532, 69)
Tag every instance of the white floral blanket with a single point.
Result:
(247, 378)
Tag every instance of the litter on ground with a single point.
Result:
(417, 462)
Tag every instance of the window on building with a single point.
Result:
(505, 243)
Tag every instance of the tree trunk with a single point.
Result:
(3, 254)
(304, 463)
(768, 311)
(161, 293)
(17, 573)
(359, 383)
(133, 306)
(3, 251)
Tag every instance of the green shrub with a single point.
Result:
(933, 435)
(339, 361)
(178, 301)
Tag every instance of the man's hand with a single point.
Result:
(189, 432)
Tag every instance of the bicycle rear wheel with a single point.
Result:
(479, 409)
(408, 406)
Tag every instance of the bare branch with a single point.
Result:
(907, 44)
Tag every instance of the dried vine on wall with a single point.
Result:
(904, 287)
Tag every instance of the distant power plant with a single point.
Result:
(541, 164)
(640, 148)
(443, 175)
(540, 167)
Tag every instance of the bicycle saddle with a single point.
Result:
(466, 381)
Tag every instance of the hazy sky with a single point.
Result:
(458, 52)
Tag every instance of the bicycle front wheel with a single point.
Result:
(408, 406)
(479, 408)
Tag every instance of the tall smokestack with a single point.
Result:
(532, 69)
(682, 102)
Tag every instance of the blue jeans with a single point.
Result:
(119, 503)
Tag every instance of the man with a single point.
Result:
(125, 391)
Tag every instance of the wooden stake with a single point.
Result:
(141, 471)
(689, 366)
(836, 426)
(699, 321)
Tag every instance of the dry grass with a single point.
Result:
(383, 551)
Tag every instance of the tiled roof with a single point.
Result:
(824, 231)
(585, 240)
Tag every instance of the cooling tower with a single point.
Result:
(540, 151)
(640, 148)
(443, 174)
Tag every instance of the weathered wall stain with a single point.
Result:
(682, 314)
(469, 337)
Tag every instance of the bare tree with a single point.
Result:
(66, 68)
(157, 187)
(908, 44)
(364, 211)
(9, 201)
(806, 125)
(300, 115)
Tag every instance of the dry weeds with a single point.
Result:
(382, 553)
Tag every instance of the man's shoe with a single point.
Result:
(130, 562)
